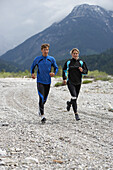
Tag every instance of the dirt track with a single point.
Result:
(62, 143)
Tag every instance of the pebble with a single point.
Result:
(62, 142)
(31, 160)
(3, 153)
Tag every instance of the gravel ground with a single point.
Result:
(62, 143)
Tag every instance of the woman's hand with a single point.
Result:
(81, 69)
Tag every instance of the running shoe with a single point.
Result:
(68, 106)
(43, 120)
(77, 116)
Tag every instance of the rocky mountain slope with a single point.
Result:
(87, 27)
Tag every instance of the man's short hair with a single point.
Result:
(44, 46)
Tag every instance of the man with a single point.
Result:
(44, 74)
(75, 67)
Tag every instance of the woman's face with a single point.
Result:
(75, 54)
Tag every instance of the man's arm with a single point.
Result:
(55, 68)
(33, 68)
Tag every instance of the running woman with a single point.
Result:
(44, 74)
(75, 68)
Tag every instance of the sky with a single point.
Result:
(20, 19)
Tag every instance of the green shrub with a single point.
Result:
(87, 81)
(59, 84)
(103, 78)
(15, 75)
(96, 73)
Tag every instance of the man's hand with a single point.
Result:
(33, 76)
(52, 74)
(81, 69)
(64, 82)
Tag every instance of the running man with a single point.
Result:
(75, 68)
(44, 74)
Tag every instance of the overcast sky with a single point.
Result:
(20, 19)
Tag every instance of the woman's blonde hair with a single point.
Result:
(74, 49)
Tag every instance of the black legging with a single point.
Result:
(43, 90)
(74, 91)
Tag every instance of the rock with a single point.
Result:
(3, 153)
(31, 160)
(2, 163)
(62, 143)
(17, 149)
(61, 138)
(58, 161)
(5, 124)
(110, 107)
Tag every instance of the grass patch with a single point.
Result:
(98, 75)
(19, 74)
(102, 78)
(87, 81)
(59, 84)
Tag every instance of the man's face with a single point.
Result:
(45, 51)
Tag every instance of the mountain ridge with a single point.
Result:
(92, 34)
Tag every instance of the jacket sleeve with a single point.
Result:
(55, 66)
(33, 66)
(64, 72)
(85, 69)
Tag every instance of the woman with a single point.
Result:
(75, 68)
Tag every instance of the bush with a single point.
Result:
(96, 73)
(87, 81)
(15, 75)
(59, 84)
(103, 78)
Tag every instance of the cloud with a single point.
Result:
(24, 18)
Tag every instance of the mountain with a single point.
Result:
(87, 27)
(102, 62)
(8, 66)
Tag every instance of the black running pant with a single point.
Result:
(43, 91)
(74, 91)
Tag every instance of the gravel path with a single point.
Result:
(61, 143)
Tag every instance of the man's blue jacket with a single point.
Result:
(44, 68)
